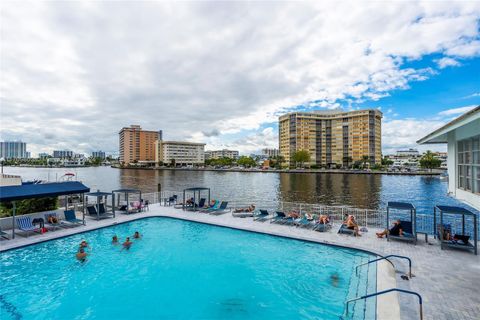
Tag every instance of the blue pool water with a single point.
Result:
(182, 270)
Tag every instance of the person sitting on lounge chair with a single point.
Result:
(189, 202)
(353, 225)
(211, 204)
(395, 230)
(308, 216)
(136, 235)
(250, 208)
(293, 214)
(323, 219)
(81, 255)
(52, 219)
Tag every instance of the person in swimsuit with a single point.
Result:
(136, 235)
(395, 230)
(81, 255)
(353, 225)
(127, 244)
(115, 239)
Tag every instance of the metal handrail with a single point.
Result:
(386, 258)
(420, 301)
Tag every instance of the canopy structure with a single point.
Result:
(452, 210)
(126, 192)
(197, 192)
(41, 190)
(409, 227)
(100, 204)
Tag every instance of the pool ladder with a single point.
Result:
(420, 300)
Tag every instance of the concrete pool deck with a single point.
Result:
(448, 280)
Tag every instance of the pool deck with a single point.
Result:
(448, 280)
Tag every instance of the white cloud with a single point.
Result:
(74, 73)
(473, 95)
(447, 62)
(456, 111)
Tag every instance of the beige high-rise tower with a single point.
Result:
(137, 144)
(332, 137)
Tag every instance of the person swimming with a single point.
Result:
(115, 239)
(127, 244)
(136, 235)
(81, 255)
(335, 279)
(83, 244)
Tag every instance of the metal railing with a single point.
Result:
(420, 300)
(386, 258)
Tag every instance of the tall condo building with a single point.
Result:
(137, 144)
(63, 154)
(224, 153)
(13, 150)
(180, 153)
(270, 153)
(331, 137)
(98, 154)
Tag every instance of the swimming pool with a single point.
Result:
(183, 270)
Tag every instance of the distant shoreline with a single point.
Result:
(339, 171)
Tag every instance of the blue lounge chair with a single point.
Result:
(71, 218)
(282, 218)
(221, 210)
(262, 216)
(322, 227)
(25, 224)
(303, 222)
(344, 230)
(215, 206)
(54, 225)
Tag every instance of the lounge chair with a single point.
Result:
(322, 227)
(303, 222)
(54, 225)
(135, 207)
(464, 244)
(215, 206)
(71, 218)
(92, 211)
(221, 210)
(262, 216)
(408, 234)
(344, 230)
(25, 224)
(282, 218)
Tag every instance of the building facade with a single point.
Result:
(13, 150)
(179, 153)
(270, 153)
(43, 155)
(62, 154)
(224, 153)
(332, 137)
(462, 137)
(98, 154)
(137, 145)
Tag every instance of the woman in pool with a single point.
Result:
(81, 255)
(115, 239)
(127, 244)
(83, 244)
(136, 235)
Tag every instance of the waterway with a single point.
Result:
(356, 190)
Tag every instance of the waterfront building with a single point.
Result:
(43, 155)
(137, 145)
(270, 152)
(179, 153)
(13, 150)
(98, 154)
(409, 153)
(224, 153)
(62, 154)
(332, 137)
(462, 136)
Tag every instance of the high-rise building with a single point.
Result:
(62, 154)
(98, 154)
(224, 153)
(13, 150)
(331, 137)
(270, 153)
(180, 153)
(137, 144)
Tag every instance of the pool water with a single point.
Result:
(183, 270)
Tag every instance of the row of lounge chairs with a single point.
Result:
(218, 208)
(25, 224)
(281, 218)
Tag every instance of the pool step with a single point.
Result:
(10, 308)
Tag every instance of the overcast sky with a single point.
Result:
(74, 73)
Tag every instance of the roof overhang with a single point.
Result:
(41, 190)
(440, 135)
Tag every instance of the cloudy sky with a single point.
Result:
(74, 73)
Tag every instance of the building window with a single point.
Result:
(468, 157)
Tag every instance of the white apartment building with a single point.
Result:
(270, 152)
(180, 153)
(224, 153)
(462, 137)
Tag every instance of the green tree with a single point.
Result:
(300, 157)
(386, 161)
(28, 206)
(347, 160)
(365, 160)
(428, 161)
(246, 162)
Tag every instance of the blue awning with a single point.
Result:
(41, 190)
(452, 209)
(400, 205)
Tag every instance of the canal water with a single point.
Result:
(366, 191)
